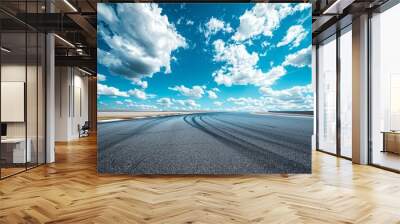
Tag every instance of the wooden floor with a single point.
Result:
(5, 172)
(387, 159)
(70, 191)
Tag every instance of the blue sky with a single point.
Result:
(204, 56)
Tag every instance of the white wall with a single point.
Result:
(62, 82)
(12, 73)
(71, 102)
(80, 105)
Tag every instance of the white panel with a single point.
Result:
(12, 101)
(395, 102)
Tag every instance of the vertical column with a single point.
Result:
(50, 92)
(92, 103)
(338, 91)
(360, 89)
(314, 85)
(50, 99)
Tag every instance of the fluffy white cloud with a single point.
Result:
(189, 22)
(212, 94)
(165, 102)
(297, 97)
(131, 105)
(294, 35)
(294, 98)
(271, 104)
(296, 91)
(265, 44)
(301, 6)
(240, 66)
(140, 94)
(179, 22)
(195, 91)
(218, 103)
(299, 59)
(110, 91)
(246, 104)
(101, 77)
(264, 19)
(273, 75)
(183, 104)
(190, 104)
(141, 83)
(144, 107)
(139, 46)
(245, 101)
(106, 13)
(214, 25)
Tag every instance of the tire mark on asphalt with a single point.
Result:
(120, 125)
(302, 156)
(270, 120)
(262, 129)
(124, 156)
(283, 163)
(189, 119)
(111, 137)
(267, 160)
(294, 146)
(256, 148)
(106, 145)
(107, 132)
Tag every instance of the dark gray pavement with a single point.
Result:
(206, 143)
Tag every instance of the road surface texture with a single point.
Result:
(206, 143)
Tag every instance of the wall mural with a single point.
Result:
(204, 88)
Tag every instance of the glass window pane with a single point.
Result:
(13, 86)
(346, 94)
(327, 96)
(23, 90)
(31, 97)
(385, 81)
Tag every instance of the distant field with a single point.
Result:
(294, 112)
(136, 114)
(122, 115)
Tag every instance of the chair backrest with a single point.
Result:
(86, 125)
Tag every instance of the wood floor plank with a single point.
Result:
(71, 191)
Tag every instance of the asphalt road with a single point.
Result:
(207, 143)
